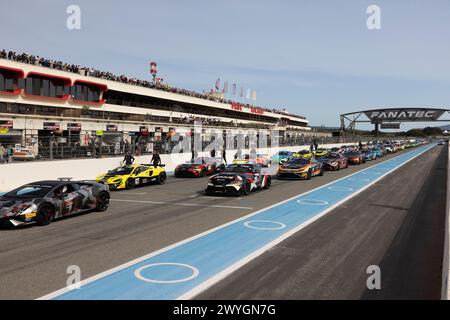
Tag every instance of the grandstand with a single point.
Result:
(60, 110)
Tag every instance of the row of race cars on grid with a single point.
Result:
(246, 175)
(43, 201)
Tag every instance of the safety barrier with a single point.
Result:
(445, 262)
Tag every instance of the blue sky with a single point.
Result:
(317, 58)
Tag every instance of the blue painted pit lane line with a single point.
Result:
(187, 268)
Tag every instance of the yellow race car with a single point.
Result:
(129, 176)
(306, 154)
(320, 152)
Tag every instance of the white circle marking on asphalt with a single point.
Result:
(280, 225)
(312, 202)
(138, 272)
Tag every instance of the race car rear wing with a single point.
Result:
(151, 165)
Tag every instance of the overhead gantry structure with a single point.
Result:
(391, 118)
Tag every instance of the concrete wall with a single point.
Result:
(16, 174)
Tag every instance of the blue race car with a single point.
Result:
(281, 156)
(369, 155)
(377, 152)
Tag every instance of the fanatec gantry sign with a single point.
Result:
(390, 118)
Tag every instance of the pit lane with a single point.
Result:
(33, 261)
(398, 224)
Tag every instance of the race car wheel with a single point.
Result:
(161, 178)
(246, 188)
(308, 175)
(102, 202)
(130, 183)
(203, 173)
(321, 172)
(45, 215)
(268, 182)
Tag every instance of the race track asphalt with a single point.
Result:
(396, 224)
(34, 260)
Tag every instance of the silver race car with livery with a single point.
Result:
(238, 179)
(42, 201)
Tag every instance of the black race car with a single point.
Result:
(238, 179)
(43, 201)
(334, 161)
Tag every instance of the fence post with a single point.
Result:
(51, 148)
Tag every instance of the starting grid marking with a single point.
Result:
(185, 269)
(185, 204)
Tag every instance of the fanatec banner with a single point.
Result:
(378, 116)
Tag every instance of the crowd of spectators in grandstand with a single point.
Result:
(59, 65)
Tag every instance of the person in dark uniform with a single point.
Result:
(194, 154)
(213, 153)
(224, 155)
(156, 159)
(128, 159)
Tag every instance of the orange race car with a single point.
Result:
(300, 168)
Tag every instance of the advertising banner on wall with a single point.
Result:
(74, 127)
(51, 126)
(5, 126)
(144, 130)
(111, 128)
(172, 131)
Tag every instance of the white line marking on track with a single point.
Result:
(358, 179)
(340, 188)
(139, 201)
(185, 204)
(135, 193)
(312, 202)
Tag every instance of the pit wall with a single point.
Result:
(18, 173)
